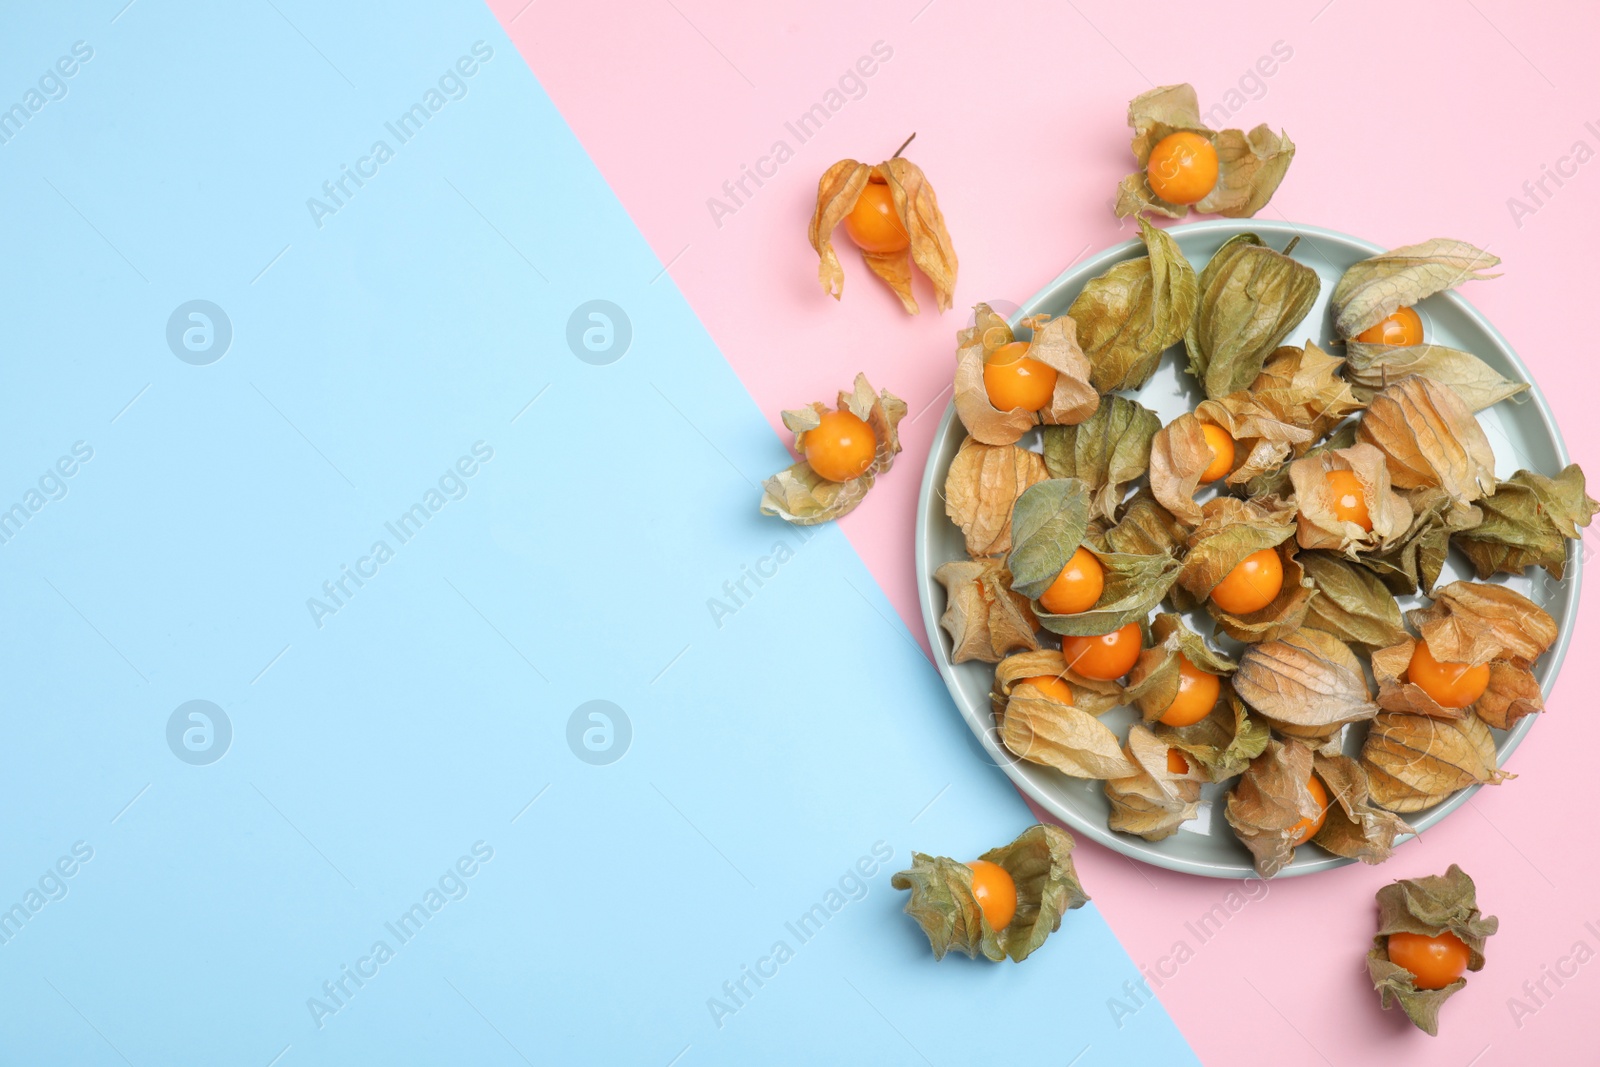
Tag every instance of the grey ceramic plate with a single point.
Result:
(1523, 435)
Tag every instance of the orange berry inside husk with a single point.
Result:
(1176, 763)
(1434, 962)
(1182, 168)
(1197, 695)
(1404, 327)
(1251, 585)
(1013, 379)
(1078, 586)
(1222, 453)
(841, 448)
(1306, 829)
(1349, 498)
(873, 224)
(1451, 685)
(995, 891)
(1104, 657)
(1055, 688)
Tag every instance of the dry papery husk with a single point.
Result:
(803, 497)
(942, 902)
(1088, 694)
(1179, 455)
(984, 618)
(1249, 165)
(1308, 685)
(1224, 742)
(1370, 368)
(1429, 437)
(1230, 530)
(1041, 730)
(1475, 622)
(1135, 311)
(1354, 828)
(1351, 603)
(983, 483)
(1302, 386)
(1373, 289)
(1320, 527)
(1259, 435)
(1429, 906)
(1054, 343)
(1270, 798)
(1415, 559)
(1276, 482)
(1146, 527)
(1528, 521)
(1513, 690)
(919, 214)
(1415, 761)
(1154, 680)
(1107, 452)
(1153, 802)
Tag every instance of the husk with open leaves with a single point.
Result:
(1430, 906)
(1413, 561)
(916, 207)
(985, 619)
(1224, 742)
(1318, 524)
(1073, 741)
(1230, 530)
(1527, 522)
(1373, 289)
(942, 902)
(983, 483)
(1092, 695)
(1134, 311)
(1134, 585)
(1249, 165)
(1054, 343)
(1153, 682)
(1301, 385)
(1154, 801)
(803, 497)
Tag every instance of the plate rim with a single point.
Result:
(1134, 848)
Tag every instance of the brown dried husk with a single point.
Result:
(1231, 530)
(801, 496)
(1415, 761)
(1146, 528)
(1473, 622)
(1318, 524)
(1429, 906)
(1371, 368)
(1269, 800)
(1354, 828)
(985, 619)
(1302, 387)
(1528, 521)
(1308, 684)
(1153, 802)
(918, 210)
(981, 487)
(1415, 560)
(1429, 437)
(1069, 739)
(1179, 455)
(1054, 343)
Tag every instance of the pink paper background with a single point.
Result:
(1412, 120)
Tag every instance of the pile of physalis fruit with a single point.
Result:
(1233, 574)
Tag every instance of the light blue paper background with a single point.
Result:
(768, 753)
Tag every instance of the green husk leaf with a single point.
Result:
(1354, 828)
(1153, 682)
(1429, 437)
(1153, 802)
(1429, 906)
(1250, 298)
(1351, 603)
(801, 496)
(1106, 452)
(1133, 312)
(1223, 742)
(1047, 525)
(1269, 799)
(1375, 288)
(1371, 368)
(1527, 522)
(985, 619)
(1134, 584)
